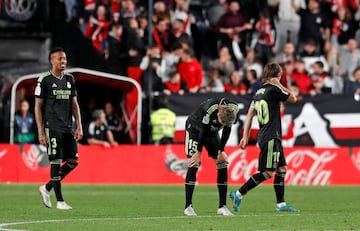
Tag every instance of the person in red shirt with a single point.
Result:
(174, 85)
(302, 79)
(236, 85)
(97, 29)
(190, 70)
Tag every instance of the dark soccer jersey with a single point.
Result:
(57, 94)
(204, 120)
(267, 105)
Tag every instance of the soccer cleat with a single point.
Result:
(236, 201)
(62, 205)
(286, 208)
(224, 211)
(189, 211)
(45, 194)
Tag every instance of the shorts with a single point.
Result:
(61, 145)
(271, 156)
(211, 144)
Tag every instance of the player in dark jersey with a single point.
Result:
(55, 106)
(202, 129)
(266, 106)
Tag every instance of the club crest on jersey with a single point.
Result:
(38, 89)
(206, 119)
(68, 84)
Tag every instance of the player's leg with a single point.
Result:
(55, 157)
(191, 141)
(279, 182)
(268, 161)
(212, 145)
(70, 155)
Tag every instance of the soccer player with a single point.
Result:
(55, 104)
(266, 105)
(202, 129)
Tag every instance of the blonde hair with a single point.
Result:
(227, 116)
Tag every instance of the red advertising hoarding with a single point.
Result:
(148, 164)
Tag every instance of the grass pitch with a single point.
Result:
(160, 207)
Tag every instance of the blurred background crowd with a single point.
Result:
(205, 46)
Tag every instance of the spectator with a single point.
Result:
(162, 122)
(302, 79)
(322, 82)
(24, 124)
(266, 37)
(190, 71)
(161, 11)
(214, 83)
(117, 53)
(224, 64)
(143, 29)
(352, 86)
(129, 9)
(288, 54)
(180, 10)
(287, 24)
(136, 48)
(97, 29)
(251, 63)
(236, 85)
(151, 81)
(342, 27)
(86, 9)
(169, 61)
(350, 58)
(313, 25)
(162, 35)
(178, 30)
(174, 85)
(253, 81)
(115, 122)
(98, 131)
(232, 27)
(310, 55)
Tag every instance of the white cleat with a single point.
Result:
(62, 205)
(224, 211)
(45, 194)
(189, 211)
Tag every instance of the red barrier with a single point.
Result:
(128, 164)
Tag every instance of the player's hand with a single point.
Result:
(42, 138)
(221, 157)
(78, 134)
(194, 160)
(243, 142)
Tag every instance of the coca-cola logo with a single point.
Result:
(305, 167)
(34, 156)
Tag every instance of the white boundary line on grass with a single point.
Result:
(3, 225)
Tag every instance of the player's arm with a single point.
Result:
(247, 126)
(292, 97)
(224, 137)
(76, 112)
(39, 120)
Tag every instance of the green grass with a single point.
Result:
(155, 207)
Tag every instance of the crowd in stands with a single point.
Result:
(222, 45)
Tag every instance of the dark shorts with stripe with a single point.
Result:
(271, 156)
(211, 143)
(61, 145)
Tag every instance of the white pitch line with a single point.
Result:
(3, 225)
